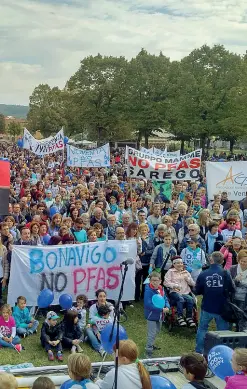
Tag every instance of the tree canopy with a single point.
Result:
(111, 98)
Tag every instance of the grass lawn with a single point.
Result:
(172, 343)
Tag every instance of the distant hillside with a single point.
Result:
(18, 111)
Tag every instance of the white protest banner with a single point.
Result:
(230, 177)
(166, 154)
(143, 150)
(99, 157)
(151, 166)
(45, 146)
(73, 269)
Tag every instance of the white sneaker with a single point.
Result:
(73, 349)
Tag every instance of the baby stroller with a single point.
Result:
(170, 319)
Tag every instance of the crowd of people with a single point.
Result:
(187, 245)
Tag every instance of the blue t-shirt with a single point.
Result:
(70, 384)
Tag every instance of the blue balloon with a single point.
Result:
(53, 210)
(65, 139)
(189, 269)
(158, 301)
(108, 344)
(20, 142)
(45, 298)
(219, 361)
(46, 238)
(159, 382)
(65, 300)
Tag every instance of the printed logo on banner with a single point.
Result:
(238, 178)
(233, 179)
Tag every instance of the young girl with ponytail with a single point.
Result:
(131, 372)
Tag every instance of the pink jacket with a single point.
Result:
(182, 279)
(236, 382)
(223, 226)
(227, 256)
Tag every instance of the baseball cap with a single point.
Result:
(192, 240)
(51, 315)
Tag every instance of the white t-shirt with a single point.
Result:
(227, 234)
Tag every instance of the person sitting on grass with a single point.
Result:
(8, 381)
(25, 324)
(8, 336)
(98, 323)
(80, 308)
(153, 315)
(51, 336)
(43, 383)
(71, 332)
(79, 369)
(195, 368)
(131, 373)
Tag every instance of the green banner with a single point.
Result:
(162, 190)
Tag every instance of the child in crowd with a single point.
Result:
(131, 373)
(79, 368)
(193, 257)
(97, 323)
(51, 336)
(43, 383)
(195, 368)
(80, 308)
(8, 336)
(25, 324)
(71, 332)
(153, 315)
(162, 254)
(239, 365)
(8, 381)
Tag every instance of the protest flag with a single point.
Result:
(161, 190)
(4, 186)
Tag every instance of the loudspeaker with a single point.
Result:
(227, 338)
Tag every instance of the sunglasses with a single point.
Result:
(191, 229)
(232, 224)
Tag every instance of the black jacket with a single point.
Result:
(50, 332)
(70, 332)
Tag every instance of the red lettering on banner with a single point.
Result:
(183, 165)
(195, 163)
(77, 281)
(90, 276)
(132, 160)
(143, 163)
(158, 166)
(171, 166)
(112, 276)
(59, 144)
(100, 278)
(95, 278)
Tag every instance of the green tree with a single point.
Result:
(47, 110)
(146, 92)
(97, 89)
(14, 129)
(2, 123)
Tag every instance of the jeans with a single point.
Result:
(205, 319)
(23, 331)
(154, 328)
(47, 346)
(16, 340)
(181, 300)
(93, 339)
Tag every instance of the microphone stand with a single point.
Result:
(117, 319)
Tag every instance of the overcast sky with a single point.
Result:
(43, 41)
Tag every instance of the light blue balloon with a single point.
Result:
(159, 382)
(65, 139)
(158, 301)
(219, 361)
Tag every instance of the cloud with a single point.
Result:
(43, 41)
